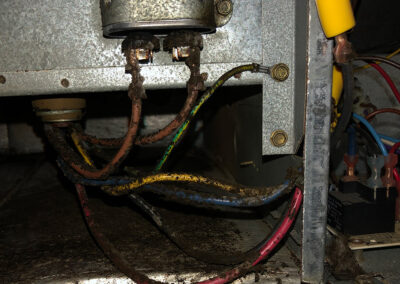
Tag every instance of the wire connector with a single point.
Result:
(261, 69)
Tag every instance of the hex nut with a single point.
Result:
(280, 72)
(224, 7)
(279, 138)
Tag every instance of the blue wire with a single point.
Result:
(352, 147)
(391, 139)
(223, 201)
(232, 201)
(373, 133)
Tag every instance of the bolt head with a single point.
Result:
(279, 138)
(280, 72)
(224, 7)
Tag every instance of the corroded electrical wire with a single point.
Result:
(186, 178)
(182, 130)
(194, 85)
(107, 247)
(136, 93)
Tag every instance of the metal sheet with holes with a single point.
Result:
(52, 40)
(44, 42)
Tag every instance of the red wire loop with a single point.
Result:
(388, 80)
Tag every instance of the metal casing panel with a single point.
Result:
(284, 40)
(156, 15)
(44, 42)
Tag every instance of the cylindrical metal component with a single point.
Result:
(59, 109)
(157, 16)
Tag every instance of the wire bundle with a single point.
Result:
(82, 171)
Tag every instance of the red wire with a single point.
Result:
(394, 148)
(231, 275)
(388, 80)
(392, 151)
(270, 245)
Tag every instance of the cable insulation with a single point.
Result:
(380, 59)
(373, 132)
(182, 130)
(387, 79)
(368, 66)
(382, 110)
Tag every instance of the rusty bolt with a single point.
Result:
(2, 79)
(65, 83)
(224, 7)
(279, 138)
(280, 72)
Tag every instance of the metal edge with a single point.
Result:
(316, 149)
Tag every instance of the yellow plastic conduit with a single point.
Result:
(336, 16)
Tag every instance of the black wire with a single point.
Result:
(212, 258)
(337, 147)
(372, 146)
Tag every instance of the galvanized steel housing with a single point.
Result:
(157, 16)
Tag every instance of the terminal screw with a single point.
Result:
(280, 72)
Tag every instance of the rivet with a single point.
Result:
(224, 7)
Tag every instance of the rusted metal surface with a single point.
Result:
(195, 83)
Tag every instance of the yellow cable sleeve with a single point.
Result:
(186, 178)
(75, 138)
(336, 16)
(337, 84)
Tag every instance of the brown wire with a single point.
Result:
(379, 58)
(195, 83)
(58, 141)
(150, 138)
(382, 110)
(108, 248)
(135, 92)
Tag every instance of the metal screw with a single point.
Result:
(280, 72)
(2, 79)
(279, 138)
(224, 7)
(65, 83)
